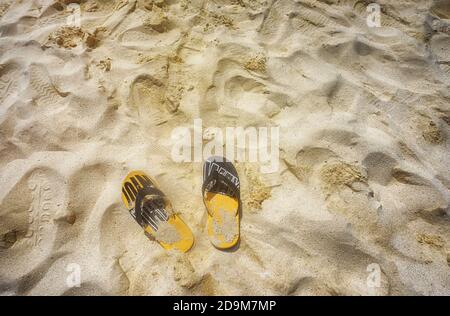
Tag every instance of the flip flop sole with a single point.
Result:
(223, 223)
(184, 239)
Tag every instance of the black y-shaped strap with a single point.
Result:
(217, 182)
(142, 193)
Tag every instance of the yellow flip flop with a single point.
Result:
(221, 196)
(153, 211)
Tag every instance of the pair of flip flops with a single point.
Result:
(150, 207)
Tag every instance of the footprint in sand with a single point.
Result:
(36, 200)
(154, 30)
(239, 89)
(45, 92)
(147, 95)
(9, 73)
(47, 197)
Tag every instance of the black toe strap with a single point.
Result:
(221, 181)
(152, 202)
